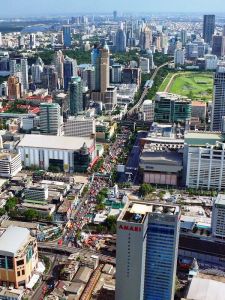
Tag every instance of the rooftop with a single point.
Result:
(201, 138)
(12, 240)
(54, 142)
(136, 212)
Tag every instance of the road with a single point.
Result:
(145, 91)
(132, 165)
(38, 294)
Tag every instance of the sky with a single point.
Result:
(59, 7)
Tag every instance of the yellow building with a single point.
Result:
(18, 256)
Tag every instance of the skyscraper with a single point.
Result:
(146, 254)
(32, 41)
(114, 15)
(58, 60)
(208, 28)
(0, 39)
(67, 36)
(36, 70)
(218, 45)
(95, 60)
(183, 37)
(104, 68)
(75, 95)
(24, 75)
(49, 78)
(218, 105)
(121, 40)
(14, 91)
(50, 120)
(69, 70)
(145, 38)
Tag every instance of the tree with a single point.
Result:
(11, 204)
(31, 215)
(145, 189)
(111, 223)
(2, 211)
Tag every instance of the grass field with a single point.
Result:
(196, 86)
(165, 82)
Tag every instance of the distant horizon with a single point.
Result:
(29, 8)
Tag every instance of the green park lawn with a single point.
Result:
(196, 86)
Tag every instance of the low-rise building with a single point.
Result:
(66, 154)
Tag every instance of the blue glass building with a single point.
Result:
(67, 40)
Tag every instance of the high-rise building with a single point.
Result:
(13, 67)
(114, 15)
(49, 78)
(32, 41)
(218, 217)
(88, 77)
(14, 89)
(183, 37)
(50, 119)
(104, 68)
(120, 40)
(95, 60)
(75, 95)
(144, 64)
(24, 75)
(179, 57)
(211, 62)
(0, 39)
(218, 45)
(36, 70)
(218, 105)
(19, 257)
(116, 73)
(67, 40)
(69, 70)
(21, 42)
(145, 38)
(10, 163)
(208, 28)
(79, 126)
(172, 108)
(147, 249)
(58, 61)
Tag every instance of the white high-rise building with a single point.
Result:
(36, 70)
(179, 57)
(13, 67)
(50, 119)
(146, 251)
(79, 126)
(116, 73)
(0, 39)
(218, 105)
(148, 110)
(144, 64)
(24, 75)
(211, 62)
(10, 164)
(204, 160)
(218, 217)
(32, 41)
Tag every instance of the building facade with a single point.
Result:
(208, 28)
(50, 119)
(218, 217)
(79, 126)
(171, 108)
(75, 96)
(10, 164)
(147, 246)
(18, 257)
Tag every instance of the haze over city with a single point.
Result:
(51, 7)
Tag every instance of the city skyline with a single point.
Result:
(51, 7)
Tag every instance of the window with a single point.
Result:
(23, 272)
(18, 273)
(20, 262)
